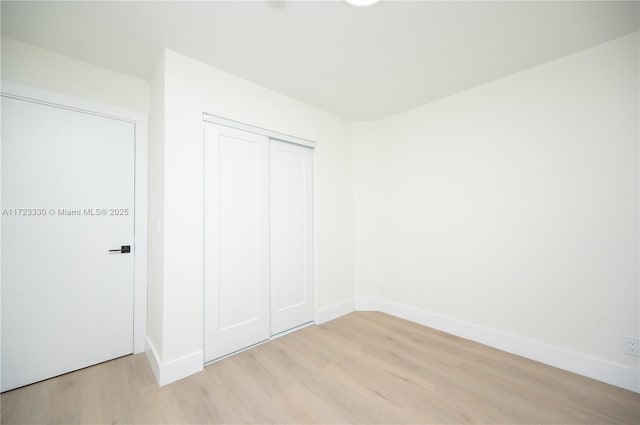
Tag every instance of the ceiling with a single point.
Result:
(361, 63)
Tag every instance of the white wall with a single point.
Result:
(155, 264)
(31, 66)
(372, 209)
(192, 88)
(513, 205)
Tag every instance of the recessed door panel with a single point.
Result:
(239, 220)
(236, 240)
(291, 232)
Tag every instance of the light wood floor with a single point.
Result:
(362, 368)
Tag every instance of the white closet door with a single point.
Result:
(236, 240)
(291, 236)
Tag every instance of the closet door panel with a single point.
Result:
(236, 240)
(239, 232)
(291, 236)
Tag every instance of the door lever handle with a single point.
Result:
(124, 249)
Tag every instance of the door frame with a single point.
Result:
(141, 141)
(287, 138)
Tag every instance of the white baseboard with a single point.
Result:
(335, 311)
(173, 370)
(579, 363)
(153, 358)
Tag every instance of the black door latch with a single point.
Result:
(124, 249)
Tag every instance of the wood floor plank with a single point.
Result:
(366, 367)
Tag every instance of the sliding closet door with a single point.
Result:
(236, 240)
(291, 233)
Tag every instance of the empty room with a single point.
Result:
(320, 212)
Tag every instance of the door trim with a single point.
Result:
(225, 122)
(140, 122)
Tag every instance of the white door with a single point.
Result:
(236, 240)
(67, 199)
(291, 233)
